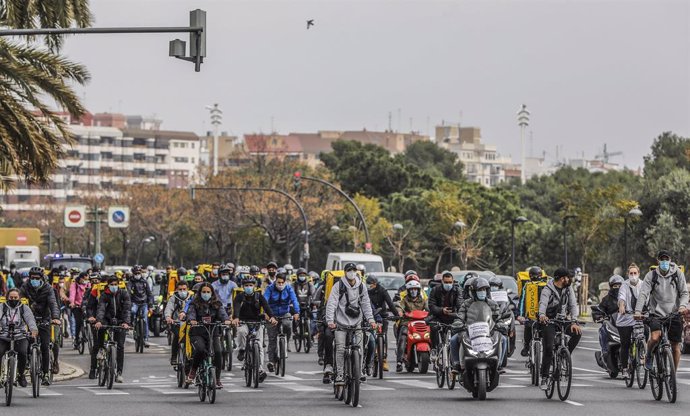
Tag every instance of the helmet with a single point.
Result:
(373, 280)
(410, 272)
(181, 272)
(254, 270)
(535, 273)
(248, 279)
(74, 270)
(496, 281)
(150, 268)
(272, 264)
(137, 269)
(301, 270)
(281, 270)
(413, 284)
(479, 284)
(469, 280)
(288, 267)
(36, 271)
(446, 273)
(95, 276)
(615, 280)
(315, 276)
(412, 277)
(281, 273)
(244, 270)
(362, 268)
(223, 269)
(349, 266)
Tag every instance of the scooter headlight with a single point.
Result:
(416, 336)
(427, 335)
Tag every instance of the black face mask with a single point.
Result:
(271, 274)
(614, 292)
(13, 303)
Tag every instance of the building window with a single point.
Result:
(181, 160)
(193, 160)
(192, 145)
(176, 144)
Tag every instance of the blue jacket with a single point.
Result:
(280, 301)
(224, 291)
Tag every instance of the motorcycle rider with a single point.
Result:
(114, 308)
(174, 311)
(557, 298)
(380, 300)
(411, 301)
(666, 291)
(347, 305)
(627, 300)
(141, 297)
(445, 300)
(609, 306)
(247, 307)
(19, 317)
(224, 287)
(281, 298)
(535, 277)
(42, 302)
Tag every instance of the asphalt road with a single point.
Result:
(150, 388)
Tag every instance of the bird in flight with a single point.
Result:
(310, 23)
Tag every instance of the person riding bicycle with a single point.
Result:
(628, 294)
(224, 287)
(536, 278)
(444, 303)
(142, 299)
(557, 298)
(42, 302)
(380, 301)
(665, 290)
(16, 317)
(254, 271)
(77, 292)
(205, 309)
(90, 304)
(325, 335)
(478, 292)
(197, 280)
(609, 307)
(304, 290)
(283, 302)
(174, 311)
(114, 308)
(347, 305)
(271, 271)
(248, 306)
(412, 300)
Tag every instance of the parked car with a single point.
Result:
(510, 285)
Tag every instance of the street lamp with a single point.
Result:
(523, 122)
(216, 120)
(514, 221)
(141, 245)
(635, 212)
(565, 239)
(459, 225)
(398, 228)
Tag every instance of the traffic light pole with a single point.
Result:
(305, 251)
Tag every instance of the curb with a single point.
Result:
(68, 372)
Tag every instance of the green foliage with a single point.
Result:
(434, 160)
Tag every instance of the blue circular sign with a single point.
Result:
(99, 258)
(118, 216)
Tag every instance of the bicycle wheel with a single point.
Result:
(88, 336)
(536, 362)
(256, 364)
(249, 367)
(228, 348)
(142, 332)
(641, 373)
(112, 367)
(51, 363)
(35, 372)
(564, 374)
(211, 388)
(669, 375)
(380, 354)
(297, 338)
(307, 336)
(450, 377)
(201, 386)
(654, 380)
(440, 370)
(181, 376)
(355, 375)
(280, 369)
(102, 368)
(11, 376)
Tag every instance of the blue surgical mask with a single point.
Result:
(36, 282)
(249, 290)
(206, 296)
(301, 278)
(447, 286)
(481, 295)
(665, 265)
(113, 289)
(182, 294)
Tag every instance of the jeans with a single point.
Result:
(242, 332)
(273, 336)
(145, 314)
(371, 349)
(72, 323)
(340, 337)
(78, 316)
(402, 343)
(455, 348)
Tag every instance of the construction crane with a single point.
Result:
(606, 155)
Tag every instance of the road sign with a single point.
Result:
(75, 216)
(118, 217)
(98, 258)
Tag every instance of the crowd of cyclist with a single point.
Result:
(281, 296)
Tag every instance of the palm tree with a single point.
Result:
(31, 78)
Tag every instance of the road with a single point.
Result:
(150, 388)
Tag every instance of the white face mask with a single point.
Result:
(351, 275)
(634, 280)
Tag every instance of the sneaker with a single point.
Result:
(648, 363)
(21, 379)
(326, 379)
(363, 378)
(118, 378)
(329, 370)
(262, 376)
(624, 372)
(146, 344)
(433, 356)
(456, 369)
(385, 365)
(544, 383)
(339, 380)
(92, 374)
(240, 355)
(191, 376)
(321, 361)
(45, 381)
(525, 350)
(367, 370)
(219, 385)
(398, 368)
(270, 367)
(56, 368)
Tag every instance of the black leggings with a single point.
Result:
(201, 348)
(21, 346)
(326, 345)
(625, 333)
(548, 334)
(78, 314)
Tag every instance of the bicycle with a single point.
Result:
(106, 360)
(8, 368)
(663, 374)
(182, 366)
(535, 353)
(379, 353)
(139, 331)
(302, 335)
(352, 366)
(51, 345)
(206, 375)
(561, 371)
(638, 350)
(282, 349)
(442, 366)
(85, 338)
(228, 347)
(35, 373)
(252, 356)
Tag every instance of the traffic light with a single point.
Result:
(197, 18)
(297, 180)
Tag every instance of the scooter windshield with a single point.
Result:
(479, 325)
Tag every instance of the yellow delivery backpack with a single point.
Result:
(532, 295)
(523, 277)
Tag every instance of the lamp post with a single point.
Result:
(398, 228)
(523, 122)
(635, 212)
(514, 221)
(565, 238)
(141, 245)
(216, 120)
(459, 225)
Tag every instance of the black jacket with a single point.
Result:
(380, 298)
(249, 308)
(202, 312)
(117, 307)
(140, 292)
(439, 299)
(42, 301)
(609, 304)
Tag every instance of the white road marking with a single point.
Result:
(589, 371)
(574, 403)
(415, 383)
(371, 387)
(287, 377)
(100, 391)
(311, 373)
(299, 387)
(44, 392)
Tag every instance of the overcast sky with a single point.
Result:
(589, 71)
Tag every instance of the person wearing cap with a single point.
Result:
(444, 303)
(557, 298)
(665, 290)
(271, 271)
(285, 306)
(380, 301)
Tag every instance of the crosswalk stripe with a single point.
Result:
(44, 392)
(415, 383)
(100, 391)
(287, 377)
(299, 387)
(371, 387)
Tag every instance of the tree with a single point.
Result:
(669, 152)
(665, 234)
(434, 160)
(30, 148)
